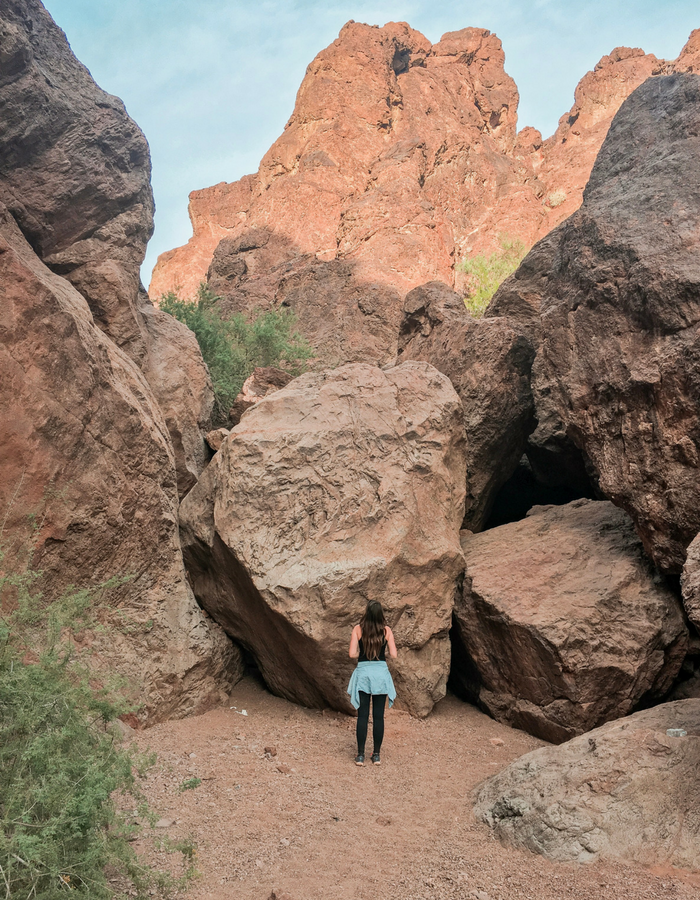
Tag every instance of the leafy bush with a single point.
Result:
(61, 769)
(487, 271)
(233, 347)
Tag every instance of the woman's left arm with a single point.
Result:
(391, 643)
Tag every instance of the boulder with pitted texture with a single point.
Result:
(628, 790)
(343, 487)
(565, 621)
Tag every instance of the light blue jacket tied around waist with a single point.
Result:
(372, 677)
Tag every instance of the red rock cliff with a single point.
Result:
(400, 158)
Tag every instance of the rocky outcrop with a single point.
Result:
(262, 381)
(488, 362)
(616, 289)
(75, 175)
(627, 790)
(401, 158)
(565, 621)
(88, 487)
(342, 487)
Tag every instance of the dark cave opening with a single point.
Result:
(523, 490)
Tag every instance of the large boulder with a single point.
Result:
(75, 174)
(565, 621)
(488, 362)
(88, 487)
(342, 487)
(617, 292)
(627, 790)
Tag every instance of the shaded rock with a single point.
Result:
(401, 158)
(180, 382)
(625, 790)
(74, 170)
(75, 174)
(88, 487)
(216, 438)
(619, 302)
(690, 582)
(565, 621)
(263, 381)
(488, 363)
(342, 487)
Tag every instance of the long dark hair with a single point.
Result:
(372, 625)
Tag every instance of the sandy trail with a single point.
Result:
(324, 828)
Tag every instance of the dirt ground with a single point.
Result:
(308, 823)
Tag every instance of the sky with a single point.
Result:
(212, 82)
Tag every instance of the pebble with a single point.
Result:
(165, 823)
(284, 769)
(270, 751)
(497, 742)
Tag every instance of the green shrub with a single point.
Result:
(63, 775)
(233, 347)
(486, 272)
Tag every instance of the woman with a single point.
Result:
(372, 677)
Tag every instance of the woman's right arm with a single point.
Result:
(354, 651)
(391, 643)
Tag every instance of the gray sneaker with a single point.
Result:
(360, 759)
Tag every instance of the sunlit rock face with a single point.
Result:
(401, 158)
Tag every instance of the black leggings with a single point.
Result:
(378, 703)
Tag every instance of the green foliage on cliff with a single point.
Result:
(486, 272)
(232, 347)
(63, 775)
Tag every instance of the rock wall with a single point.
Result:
(340, 488)
(75, 174)
(612, 298)
(88, 482)
(401, 158)
(103, 397)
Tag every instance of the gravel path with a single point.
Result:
(304, 821)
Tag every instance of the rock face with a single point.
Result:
(565, 621)
(626, 790)
(88, 481)
(617, 292)
(488, 362)
(75, 175)
(690, 583)
(264, 380)
(103, 397)
(401, 158)
(342, 487)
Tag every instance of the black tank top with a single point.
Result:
(363, 656)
